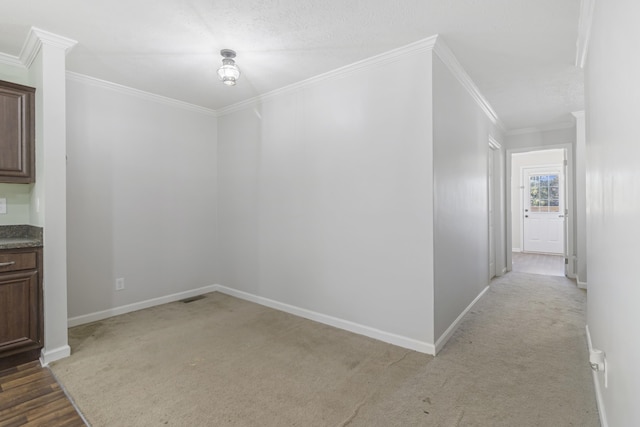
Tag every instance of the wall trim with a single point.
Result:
(148, 96)
(11, 60)
(388, 337)
(123, 309)
(581, 285)
(602, 411)
(516, 250)
(434, 43)
(48, 356)
(584, 31)
(494, 144)
(399, 340)
(440, 343)
(450, 60)
(424, 45)
(36, 38)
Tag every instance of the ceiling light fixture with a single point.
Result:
(229, 72)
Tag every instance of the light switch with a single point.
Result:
(3, 206)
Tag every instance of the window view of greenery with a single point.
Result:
(545, 193)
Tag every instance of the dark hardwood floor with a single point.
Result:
(31, 396)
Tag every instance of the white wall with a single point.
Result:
(461, 239)
(14, 74)
(141, 183)
(519, 161)
(326, 198)
(530, 138)
(613, 180)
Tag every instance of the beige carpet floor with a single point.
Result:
(518, 359)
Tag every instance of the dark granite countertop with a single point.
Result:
(20, 236)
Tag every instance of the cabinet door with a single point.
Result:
(17, 162)
(19, 314)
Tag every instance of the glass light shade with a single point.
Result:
(229, 72)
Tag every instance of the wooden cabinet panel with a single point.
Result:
(18, 312)
(21, 320)
(17, 133)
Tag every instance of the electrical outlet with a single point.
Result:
(120, 284)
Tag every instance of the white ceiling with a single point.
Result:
(520, 53)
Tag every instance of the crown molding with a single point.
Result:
(448, 58)
(494, 144)
(11, 60)
(424, 45)
(584, 31)
(36, 38)
(433, 43)
(138, 93)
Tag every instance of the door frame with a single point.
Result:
(495, 194)
(569, 249)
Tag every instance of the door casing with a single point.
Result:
(569, 205)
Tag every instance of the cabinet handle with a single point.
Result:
(7, 264)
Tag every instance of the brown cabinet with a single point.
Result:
(21, 320)
(17, 133)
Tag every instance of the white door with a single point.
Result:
(543, 216)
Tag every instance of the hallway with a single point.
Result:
(519, 357)
(533, 263)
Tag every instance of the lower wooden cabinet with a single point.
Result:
(21, 317)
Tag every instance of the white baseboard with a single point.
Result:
(100, 315)
(48, 356)
(452, 328)
(581, 285)
(599, 399)
(388, 337)
(401, 341)
(516, 250)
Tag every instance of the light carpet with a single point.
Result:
(519, 358)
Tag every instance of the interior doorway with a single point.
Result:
(540, 200)
(496, 208)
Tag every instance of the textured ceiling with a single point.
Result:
(520, 53)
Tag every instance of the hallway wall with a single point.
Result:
(461, 146)
(613, 181)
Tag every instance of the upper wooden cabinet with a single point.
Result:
(17, 133)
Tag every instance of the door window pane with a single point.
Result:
(544, 193)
